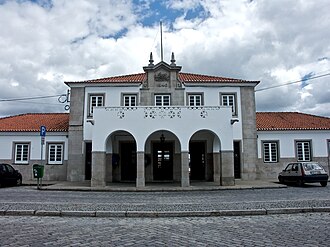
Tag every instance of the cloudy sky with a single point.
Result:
(284, 43)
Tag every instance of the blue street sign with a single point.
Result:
(42, 130)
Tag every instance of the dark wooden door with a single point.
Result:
(128, 161)
(88, 161)
(197, 160)
(237, 159)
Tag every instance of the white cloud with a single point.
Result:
(45, 43)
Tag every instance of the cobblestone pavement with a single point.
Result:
(28, 198)
(271, 230)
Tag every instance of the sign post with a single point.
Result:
(43, 137)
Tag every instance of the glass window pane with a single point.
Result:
(303, 151)
(21, 153)
(55, 154)
(270, 151)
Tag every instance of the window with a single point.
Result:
(95, 101)
(130, 100)
(162, 100)
(229, 100)
(21, 153)
(195, 100)
(303, 150)
(270, 150)
(55, 154)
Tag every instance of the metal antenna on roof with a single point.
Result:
(161, 41)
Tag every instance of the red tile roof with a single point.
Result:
(31, 122)
(187, 77)
(291, 121)
(184, 77)
(133, 78)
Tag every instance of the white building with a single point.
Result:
(163, 125)
(21, 146)
(285, 137)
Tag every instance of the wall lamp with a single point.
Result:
(232, 121)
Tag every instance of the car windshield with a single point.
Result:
(312, 166)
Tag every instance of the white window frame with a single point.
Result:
(130, 101)
(270, 151)
(23, 156)
(303, 150)
(195, 99)
(162, 99)
(99, 101)
(58, 149)
(229, 99)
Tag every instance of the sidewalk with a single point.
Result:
(157, 207)
(155, 187)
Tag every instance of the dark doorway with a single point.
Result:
(237, 159)
(88, 161)
(197, 160)
(163, 161)
(128, 161)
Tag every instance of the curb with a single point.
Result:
(160, 214)
(169, 189)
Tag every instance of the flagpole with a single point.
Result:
(161, 41)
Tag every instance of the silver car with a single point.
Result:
(304, 172)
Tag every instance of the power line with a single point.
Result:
(292, 82)
(35, 103)
(31, 98)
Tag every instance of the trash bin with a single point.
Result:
(38, 171)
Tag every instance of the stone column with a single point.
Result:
(185, 169)
(216, 167)
(249, 156)
(140, 176)
(177, 167)
(98, 169)
(108, 168)
(76, 158)
(227, 168)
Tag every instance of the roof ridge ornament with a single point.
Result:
(173, 60)
(151, 60)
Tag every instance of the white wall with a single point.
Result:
(52, 172)
(7, 140)
(113, 96)
(287, 141)
(189, 122)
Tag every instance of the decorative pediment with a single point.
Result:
(162, 76)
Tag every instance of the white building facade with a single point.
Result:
(22, 146)
(162, 125)
(285, 137)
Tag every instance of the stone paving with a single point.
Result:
(29, 201)
(283, 226)
(270, 230)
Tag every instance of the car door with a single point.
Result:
(10, 174)
(295, 173)
(287, 173)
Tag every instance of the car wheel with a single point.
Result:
(280, 179)
(19, 182)
(323, 184)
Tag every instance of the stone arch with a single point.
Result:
(162, 156)
(120, 150)
(204, 149)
